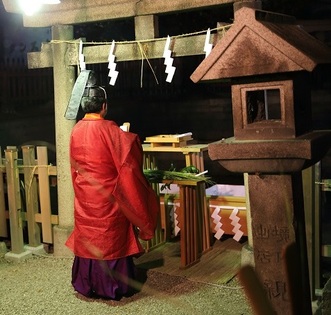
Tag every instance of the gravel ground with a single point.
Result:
(41, 285)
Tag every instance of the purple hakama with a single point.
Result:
(108, 279)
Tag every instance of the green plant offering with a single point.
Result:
(157, 176)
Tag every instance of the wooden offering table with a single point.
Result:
(194, 215)
(174, 143)
(193, 220)
(193, 154)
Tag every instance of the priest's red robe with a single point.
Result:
(112, 196)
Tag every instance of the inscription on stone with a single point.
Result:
(265, 256)
(276, 290)
(274, 232)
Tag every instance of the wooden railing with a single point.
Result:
(27, 213)
(25, 200)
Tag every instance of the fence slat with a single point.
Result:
(3, 220)
(14, 202)
(35, 212)
(31, 194)
(44, 194)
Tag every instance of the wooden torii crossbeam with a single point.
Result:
(70, 12)
(125, 51)
(144, 12)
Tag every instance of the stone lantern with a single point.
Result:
(268, 58)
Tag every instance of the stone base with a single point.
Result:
(61, 235)
(35, 250)
(325, 307)
(18, 257)
(3, 249)
(247, 256)
(315, 308)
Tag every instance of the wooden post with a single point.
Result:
(14, 202)
(205, 216)
(146, 27)
(31, 194)
(191, 219)
(159, 238)
(188, 159)
(3, 219)
(44, 195)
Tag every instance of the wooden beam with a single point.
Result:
(75, 12)
(42, 59)
(186, 46)
(146, 26)
(38, 218)
(124, 51)
(153, 7)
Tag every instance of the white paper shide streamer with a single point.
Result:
(168, 61)
(81, 57)
(235, 222)
(218, 224)
(208, 46)
(113, 73)
(234, 217)
(174, 216)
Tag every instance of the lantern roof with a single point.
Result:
(261, 42)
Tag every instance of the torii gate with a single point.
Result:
(63, 51)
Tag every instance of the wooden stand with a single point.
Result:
(193, 220)
(193, 154)
(194, 215)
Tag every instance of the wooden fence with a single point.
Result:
(27, 213)
(26, 216)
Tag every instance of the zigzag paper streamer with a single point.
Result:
(174, 216)
(208, 47)
(235, 222)
(113, 74)
(168, 60)
(176, 223)
(81, 57)
(176, 226)
(218, 225)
